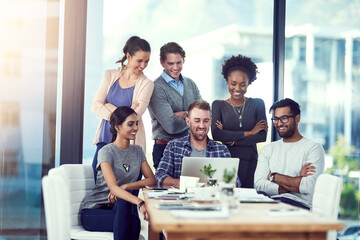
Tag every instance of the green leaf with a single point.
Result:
(228, 176)
(208, 171)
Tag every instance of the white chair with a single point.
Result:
(63, 190)
(326, 198)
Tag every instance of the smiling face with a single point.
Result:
(199, 123)
(173, 65)
(128, 129)
(286, 130)
(238, 83)
(138, 62)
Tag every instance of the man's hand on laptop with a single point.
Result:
(169, 181)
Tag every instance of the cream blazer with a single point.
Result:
(142, 94)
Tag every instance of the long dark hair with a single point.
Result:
(132, 45)
(118, 117)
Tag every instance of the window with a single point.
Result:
(322, 74)
(10, 166)
(208, 36)
(10, 114)
(28, 73)
(12, 63)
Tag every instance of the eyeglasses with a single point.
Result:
(283, 119)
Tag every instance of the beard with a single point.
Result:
(198, 137)
(289, 133)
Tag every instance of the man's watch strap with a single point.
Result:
(272, 177)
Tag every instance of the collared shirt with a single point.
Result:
(171, 162)
(178, 86)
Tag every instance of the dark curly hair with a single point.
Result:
(240, 63)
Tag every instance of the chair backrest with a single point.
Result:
(326, 198)
(57, 206)
(64, 188)
(79, 180)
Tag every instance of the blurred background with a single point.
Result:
(322, 73)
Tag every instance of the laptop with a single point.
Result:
(191, 167)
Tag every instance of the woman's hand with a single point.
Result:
(134, 105)
(307, 170)
(112, 198)
(259, 126)
(219, 125)
(144, 212)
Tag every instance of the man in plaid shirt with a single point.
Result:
(197, 144)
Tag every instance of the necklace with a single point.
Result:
(238, 111)
(126, 165)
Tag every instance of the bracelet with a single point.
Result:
(232, 144)
(140, 204)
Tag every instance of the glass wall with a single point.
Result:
(28, 74)
(209, 32)
(322, 73)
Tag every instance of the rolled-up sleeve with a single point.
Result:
(315, 156)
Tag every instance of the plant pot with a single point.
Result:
(227, 189)
(211, 182)
(228, 200)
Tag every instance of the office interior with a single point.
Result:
(53, 54)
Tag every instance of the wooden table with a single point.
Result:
(251, 222)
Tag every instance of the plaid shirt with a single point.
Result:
(171, 162)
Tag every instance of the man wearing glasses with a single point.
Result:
(288, 168)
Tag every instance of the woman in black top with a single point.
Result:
(239, 121)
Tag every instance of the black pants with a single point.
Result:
(122, 219)
(157, 154)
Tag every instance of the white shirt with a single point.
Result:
(288, 159)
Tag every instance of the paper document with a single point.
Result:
(287, 212)
(249, 195)
(188, 206)
(199, 214)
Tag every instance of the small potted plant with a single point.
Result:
(228, 176)
(228, 199)
(208, 171)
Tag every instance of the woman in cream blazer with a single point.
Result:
(137, 53)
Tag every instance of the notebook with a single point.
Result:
(191, 167)
(189, 206)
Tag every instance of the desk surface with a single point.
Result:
(251, 218)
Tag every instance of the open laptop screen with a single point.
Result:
(191, 167)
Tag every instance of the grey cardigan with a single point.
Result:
(164, 101)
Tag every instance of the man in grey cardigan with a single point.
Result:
(172, 95)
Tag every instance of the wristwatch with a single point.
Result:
(271, 178)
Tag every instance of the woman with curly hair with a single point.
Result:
(239, 121)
